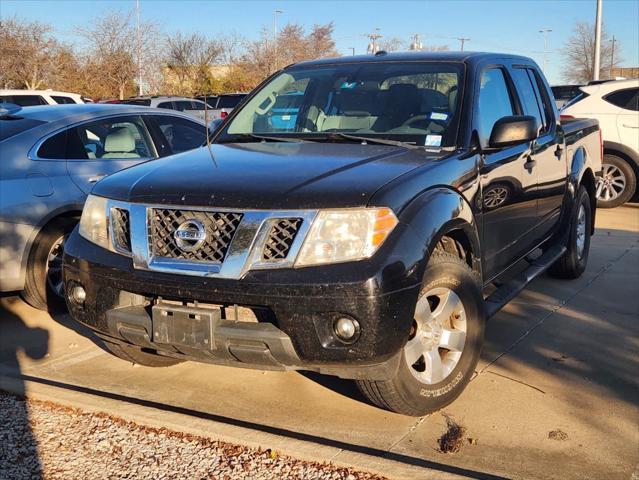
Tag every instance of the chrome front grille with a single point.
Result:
(280, 239)
(121, 229)
(219, 227)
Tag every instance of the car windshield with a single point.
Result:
(414, 102)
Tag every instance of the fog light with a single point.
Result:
(78, 295)
(346, 329)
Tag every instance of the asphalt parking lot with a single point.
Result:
(563, 356)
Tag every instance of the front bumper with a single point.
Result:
(295, 309)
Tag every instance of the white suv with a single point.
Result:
(29, 98)
(616, 105)
(189, 106)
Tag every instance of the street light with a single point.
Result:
(275, 12)
(545, 32)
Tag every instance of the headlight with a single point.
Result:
(93, 223)
(346, 235)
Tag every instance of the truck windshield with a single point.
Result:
(414, 102)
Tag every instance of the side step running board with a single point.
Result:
(512, 288)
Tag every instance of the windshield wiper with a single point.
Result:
(248, 137)
(380, 141)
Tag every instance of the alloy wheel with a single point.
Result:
(614, 183)
(438, 336)
(54, 267)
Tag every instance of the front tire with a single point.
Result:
(573, 263)
(620, 182)
(443, 347)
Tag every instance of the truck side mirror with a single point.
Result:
(512, 130)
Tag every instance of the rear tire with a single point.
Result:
(43, 287)
(451, 288)
(138, 356)
(573, 263)
(620, 182)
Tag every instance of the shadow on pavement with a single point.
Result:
(18, 447)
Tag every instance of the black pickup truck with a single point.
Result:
(355, 216)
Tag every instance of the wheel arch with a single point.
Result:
(581, 174)
(443, 219)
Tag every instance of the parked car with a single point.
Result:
(358, 243)
(615, 104)
(189, 106)
(225, 105)
(564, 93)
(28, 98)
(51, 158)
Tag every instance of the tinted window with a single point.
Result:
(527, 95)
(547, 111)
(10, 126)
(59, 99)
(143, 102)
(494, 101)
(229, 101)
(182, 105)
(24, 100)
(181, 134)
(167, 105)
(64, 145)
(627, 99)
(115, 138)
(197, 105)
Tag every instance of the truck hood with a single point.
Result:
(265, 175)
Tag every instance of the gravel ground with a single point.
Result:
(46, 440)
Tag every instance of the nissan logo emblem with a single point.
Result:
(190, 235)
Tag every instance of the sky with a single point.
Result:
(510, 26)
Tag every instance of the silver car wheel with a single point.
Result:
(614, 183)
(438, 336)
(581, 231)
(54, 267)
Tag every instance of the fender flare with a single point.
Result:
(438, 211)
(624, 151)
(580, 168)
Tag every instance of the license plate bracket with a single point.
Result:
(184, 326)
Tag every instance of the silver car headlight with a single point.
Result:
(94, 221)
(345, 235)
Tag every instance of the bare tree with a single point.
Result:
(393, 44)
(115, 52)
(579, 54)
(189, 61)
(30, 57)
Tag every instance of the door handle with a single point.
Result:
(629, 126)
(558, 152)
(530, 164)
(97, 177)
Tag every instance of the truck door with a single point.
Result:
(548, 159)
(508, 203)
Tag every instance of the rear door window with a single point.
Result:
(62, 100)
(495, 101)
(628, 99)
(527, 94)
(181, 134)
(167, 105)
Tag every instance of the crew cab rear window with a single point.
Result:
(10, 126)
(166, 105)
(527, 94)
(628, 99)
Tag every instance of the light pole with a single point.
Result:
(612, 57)
(138, 46)
(463, 40)
(597, 60)
(545, 32)
(275, 12)
(352, 49)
